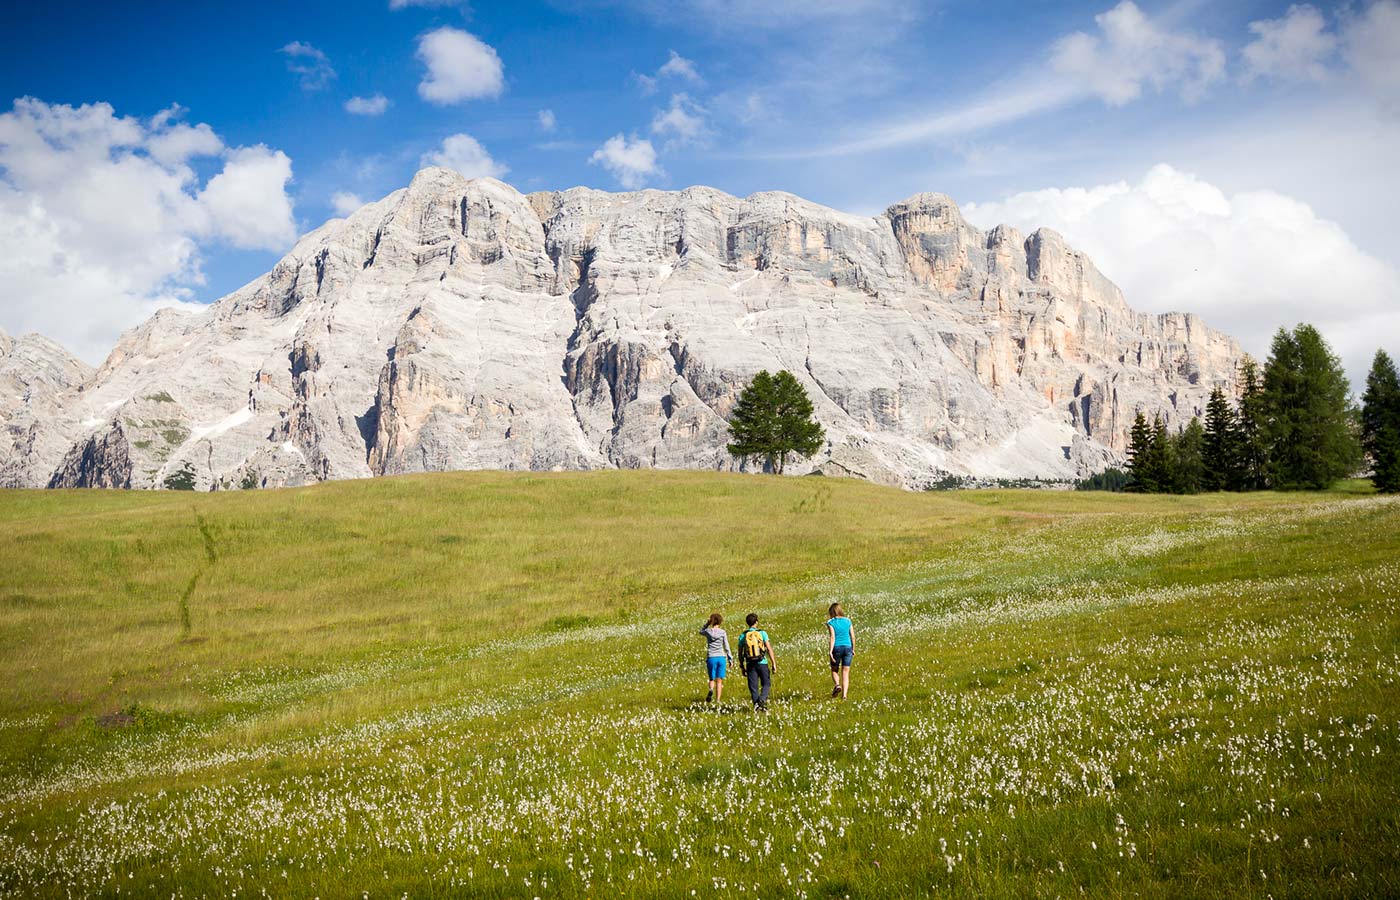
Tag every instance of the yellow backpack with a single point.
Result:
(751, 648)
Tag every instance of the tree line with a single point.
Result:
(1292, 427)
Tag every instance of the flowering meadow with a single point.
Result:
(490, 685)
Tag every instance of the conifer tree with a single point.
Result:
(1380, 423)
(1252, 463)
(1140, 456)
(1221, 451)
(1188, 465)
(1309, 429)
(772, 419)
(1160, 456)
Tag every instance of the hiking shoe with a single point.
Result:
(836, 692)
(709, 695)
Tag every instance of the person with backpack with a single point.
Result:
(756, 661)
(717, 655)
(841, 647)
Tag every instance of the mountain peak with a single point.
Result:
(460, 324)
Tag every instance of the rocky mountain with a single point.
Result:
(458, 324)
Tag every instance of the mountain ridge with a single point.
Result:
(457, 323)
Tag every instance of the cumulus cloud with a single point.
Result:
(310, 65)
(374, 105)
(465, 154)
(344, 202)
(1294, 47)
(632, 161)
(547, 120)
(1248, 262)
(682, 123)
(460, 66)
(247, 202)
(1130, 51)
(103, 220)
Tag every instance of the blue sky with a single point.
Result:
(1233, 159)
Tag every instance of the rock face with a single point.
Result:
(458, 324)
(38, 380)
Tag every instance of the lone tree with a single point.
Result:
(1380, 423)
(772, 419)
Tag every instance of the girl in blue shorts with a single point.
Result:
(841, 647)
(717, 655)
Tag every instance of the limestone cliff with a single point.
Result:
(458, 324)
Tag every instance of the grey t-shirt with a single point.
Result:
(716, 642)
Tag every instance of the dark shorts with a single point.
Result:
(842, 656)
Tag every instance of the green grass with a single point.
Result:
(489, 685)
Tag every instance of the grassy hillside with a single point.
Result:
(489, 685)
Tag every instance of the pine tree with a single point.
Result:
(1188, 464)
(1252, 462)
(1160, 460)
(1380, 423)
(1309, 428)
(772, 419)
(1140, 456)
(1221, 452)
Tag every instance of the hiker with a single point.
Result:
(841, 647)
(717, 655)
(756, 661)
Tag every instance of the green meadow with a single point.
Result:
(490, 685)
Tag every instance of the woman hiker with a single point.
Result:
(717, 655)
(841, 648)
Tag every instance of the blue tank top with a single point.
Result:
(841, 627)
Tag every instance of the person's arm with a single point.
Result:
(853, 637)
(830, 641)
(728, 654)
(772, 660)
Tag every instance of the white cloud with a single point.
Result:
(310, 65)
(631, 161)
(248, 203)
(547, 120)
(1131, 51)
(1294, 47)
(1248, 262)
(429, 4)
(465, 154)
(374, 105)
(1371, 45)
(676, 67)
(103, 220)
(680, 67)
(344, 203)
(460, 67)
(683, 122)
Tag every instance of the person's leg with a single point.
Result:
(766, 679)
(719, 689)
(754, 677)
(845, 681)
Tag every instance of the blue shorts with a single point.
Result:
(717, 666)
(842, 656)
